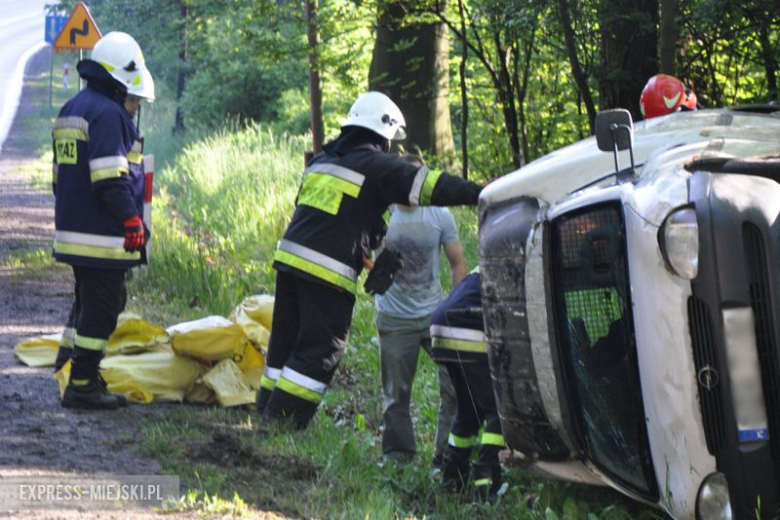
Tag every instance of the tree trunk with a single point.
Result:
(522, 86)
(410, 63)
(629, 39)
(506, 96)
(181, 81)
(668, 36)
(464, 100)
(770, 65)
(580, 78)
(315, 84)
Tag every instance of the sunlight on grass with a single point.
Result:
(219, 214)
(29, 258)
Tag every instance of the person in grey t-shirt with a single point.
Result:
(403, 319)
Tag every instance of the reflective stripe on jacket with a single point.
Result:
(98, 181)
(457, 326)
(341, 196)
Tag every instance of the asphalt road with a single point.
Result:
(22, 24)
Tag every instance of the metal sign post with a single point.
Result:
(52, 27)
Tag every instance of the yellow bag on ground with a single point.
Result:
(252, 366)
(254, 315)
(62, 376)
(200, 394)
(209, 339)
(148, 377)
(134, 334)
(151, 376)
(38, 352)
(229, 384)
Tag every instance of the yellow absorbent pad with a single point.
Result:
(209, 339)
(38, 352)
(252, 365)
(229, 383)
(145, 378)
(200, 394)
(254, 315)
(134, 334)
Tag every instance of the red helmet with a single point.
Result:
(665, 94)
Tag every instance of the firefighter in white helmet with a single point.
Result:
(98, 183)
(337, 222)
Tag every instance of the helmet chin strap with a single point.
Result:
(138, 119)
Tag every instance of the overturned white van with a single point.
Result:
(633, 314)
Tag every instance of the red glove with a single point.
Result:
(134, 234)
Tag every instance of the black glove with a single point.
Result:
(381, 276)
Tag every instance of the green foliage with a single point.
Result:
(221, 209)
(242, 63)
(292, 108)
(247, 60)
(723, 60)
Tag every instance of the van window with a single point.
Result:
(592, 308)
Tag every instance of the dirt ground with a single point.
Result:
(37, 436)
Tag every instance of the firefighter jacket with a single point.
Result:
(98, 177)
(343, 194)
(457, 327)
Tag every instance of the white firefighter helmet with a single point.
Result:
(377, 112)
(121, 56)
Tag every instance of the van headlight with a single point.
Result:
(678, 239)
(713, 502)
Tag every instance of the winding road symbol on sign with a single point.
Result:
(84, 31)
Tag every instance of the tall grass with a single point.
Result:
(219, 213)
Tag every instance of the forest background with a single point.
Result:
(245, 88)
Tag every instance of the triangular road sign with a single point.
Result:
(80, 31)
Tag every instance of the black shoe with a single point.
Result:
(395, 459)
(88, 397)
(483, 495)
(454, 481)
(122, 400)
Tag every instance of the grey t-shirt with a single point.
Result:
(418, 235)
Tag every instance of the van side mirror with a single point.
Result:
(615, 132)
(614, 128)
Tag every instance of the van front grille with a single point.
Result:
(760, 301)
(707, 373)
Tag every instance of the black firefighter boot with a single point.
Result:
(84, 390)
(455, 476)
(122, 400)
(487, 482)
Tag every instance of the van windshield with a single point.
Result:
(597, 345)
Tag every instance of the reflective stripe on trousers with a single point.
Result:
(458, 338)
